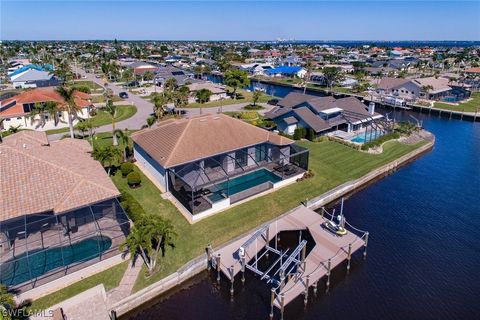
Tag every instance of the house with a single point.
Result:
(140, 67)
(218, 91)
(33, 78)
(287, 71)
(59, 211)
(320, 114)
(431, 88)
(15, 111)
(256, 68)
(209, 162)
(163, 73)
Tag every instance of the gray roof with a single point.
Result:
(311, 119)
(290, 120)
(33, 75)
(294, 99)
(387, 83)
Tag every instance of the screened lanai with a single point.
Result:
(38, 248)
(236, 175)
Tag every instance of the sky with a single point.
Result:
(239, 20)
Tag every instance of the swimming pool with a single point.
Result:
(42, 261)
(360, 138)
(242, 183)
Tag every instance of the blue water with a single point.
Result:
(423, 256)
(243, 182)
(17, 271)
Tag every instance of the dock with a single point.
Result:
(293, 272)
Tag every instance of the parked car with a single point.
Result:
(273, 102)
(123, 95)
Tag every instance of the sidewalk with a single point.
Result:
(125, 287)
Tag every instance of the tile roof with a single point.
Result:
(39, 177)
(387, 83)
(181, 141)
(311, 119)
(15, 103)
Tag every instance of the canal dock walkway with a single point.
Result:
(329, 251)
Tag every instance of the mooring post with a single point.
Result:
(349, 256)
(272, 300)
(304, 254)
(207, 249)
(323, 211)
(282, 305)
(243, 269)
(218, 267)
(307, 284)
(365, 246)
(232, 278)
(329, 266)
(113, 315)
(315, 288)
(267, 240)
(282, 279)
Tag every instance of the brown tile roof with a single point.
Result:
(186, 140)
(39, 95)
(473, 70)
(58, 177)
(387, 83)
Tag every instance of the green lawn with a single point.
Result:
(246, 97)
(469, 106)
(110, 279)
(101, 99)
(87, 83)
(103, 118)
(332, 163)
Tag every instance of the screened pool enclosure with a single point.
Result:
(38, 248)
(231, 177)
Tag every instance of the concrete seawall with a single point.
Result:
(199, 264)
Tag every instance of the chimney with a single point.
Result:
(371, 108)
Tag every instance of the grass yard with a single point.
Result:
(102, 118)
(87, 83)
(332, 163)
(247, 97)
(101, 98)
(110, 279)
(469, 106)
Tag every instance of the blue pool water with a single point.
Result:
(360, 138)
(423, 253)
(17, 271)
(243, 182)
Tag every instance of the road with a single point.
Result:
(145, 108)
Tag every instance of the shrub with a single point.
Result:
(131, 206)
(83, 88)
(253, 107)
(299, 133)
(249, 115)
(134, 179)
(126, 168)
(307, 175)
(310, 134)
(321, 139)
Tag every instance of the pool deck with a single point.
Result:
(327, 246)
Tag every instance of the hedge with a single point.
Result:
(378, 142)
(126, 168)
(133, 179)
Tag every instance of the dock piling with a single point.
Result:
(329, 268)
(349, 257)
(307, 284)
(232, 278)
(267, 240)
(365, 246)
(282, 305)
(272, 300)
(315, 288)
(209, 257)
(218, 268)
(243, 269)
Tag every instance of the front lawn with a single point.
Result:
(87, 83)
(102, 118)
(110, 279)
(469, 106)
(332, 163)
(245, 96)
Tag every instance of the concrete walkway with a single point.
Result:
(125, 287)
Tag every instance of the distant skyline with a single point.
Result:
(239, 20)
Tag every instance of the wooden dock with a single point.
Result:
(329, 251)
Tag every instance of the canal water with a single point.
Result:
(423, 256)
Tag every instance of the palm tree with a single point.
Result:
(7, 302)
(203, 95)
(180, 97)
(159, 103)
(111, 109)
(68, 95)
(107, 156)
(124, 140)
(150, 234)
(308, 67)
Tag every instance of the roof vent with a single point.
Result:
(216, 118)
(24, 146)
(203, 120)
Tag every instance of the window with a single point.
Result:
(261, 153)
(241, 158)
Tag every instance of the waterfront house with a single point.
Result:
(287, 72)
(320, 114)
(58, 210)
(140, 67)
(16, 111)
(33, 78)
(218, 91)
(209, 162)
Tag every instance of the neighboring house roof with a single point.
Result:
(14, 105)
(215, 89)
(438, 84)
(182, 141)
(473, 70)
(290, 120)
(284, 70)
(47, 67)
(38, 176)
(32, 75)
(387, 83)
